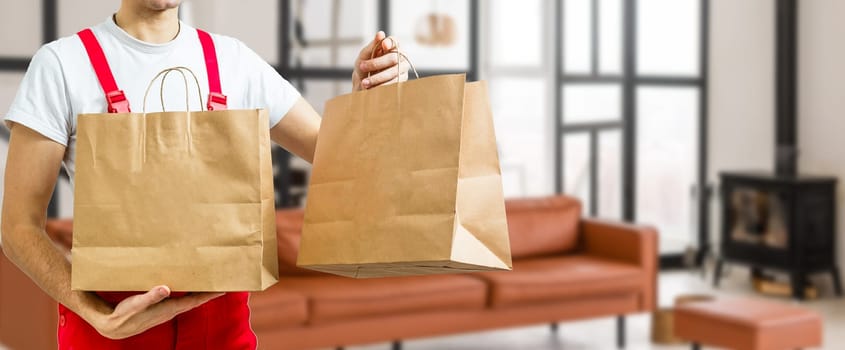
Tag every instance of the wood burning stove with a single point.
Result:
(781, 220)
(787, 223)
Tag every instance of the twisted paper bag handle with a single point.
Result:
(165, 72)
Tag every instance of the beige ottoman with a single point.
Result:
(748, 324)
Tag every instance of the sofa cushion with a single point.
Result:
(288, 234)
(334, 298)
(277, 307)
(543, 226)
(552, 279)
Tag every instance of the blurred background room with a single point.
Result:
(689, 116)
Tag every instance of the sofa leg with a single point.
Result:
(554, 327)
(620, 332)
(397, 345)
(339, 348)
(717, 272)
(696, 346)
(837, 281)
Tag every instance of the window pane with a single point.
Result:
(513, 179)
(585, 103)
(9, 82)
(317, 92)
(15, 15)
(577, 22)
(333, 32)
(327, 19)
(434, 34)
(668, 37)
(521, 132)
(65, 194)
(325, 56)
(667, 162)
(516, 22)
(610, 174)
(74, 16)
(576, 167)
(610, 36)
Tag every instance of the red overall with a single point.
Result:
(222, 323)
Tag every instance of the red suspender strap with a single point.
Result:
(114, 97)
(216, 99)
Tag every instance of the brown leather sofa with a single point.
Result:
(564, 268)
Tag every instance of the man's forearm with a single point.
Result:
(32, 251)
(297, 131)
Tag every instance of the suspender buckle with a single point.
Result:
(117, 102)
(216, 101)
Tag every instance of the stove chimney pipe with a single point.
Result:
(786, 97)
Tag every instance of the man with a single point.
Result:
(142, 38)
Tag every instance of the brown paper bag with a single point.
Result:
(177, 198)
(406, 181)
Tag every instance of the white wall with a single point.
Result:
(76, 15)
(255, 23)
(741, 103)
(18, 36)
(821, 103)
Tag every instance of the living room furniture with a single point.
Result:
(662, 319)
(785, 223)
(565, 268)
(748, 324)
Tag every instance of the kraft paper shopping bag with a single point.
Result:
(406, 181)
(180, 198)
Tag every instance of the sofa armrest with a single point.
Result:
(628, 243)
(633, 244)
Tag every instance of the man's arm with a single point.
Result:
(298, 129)
(32, 167)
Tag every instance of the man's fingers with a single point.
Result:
(388, 44)
(379, 63)
(154, 296)
(137, 303)
(377, 59)
(386, 75)
(367, 51)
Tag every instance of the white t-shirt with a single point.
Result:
(60, 82)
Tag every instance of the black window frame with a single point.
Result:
(627, 124)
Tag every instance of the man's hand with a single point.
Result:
(385, 67)
(138, 313)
